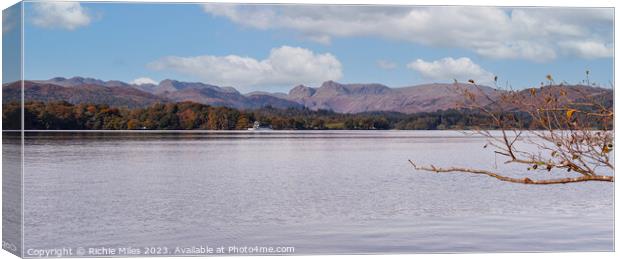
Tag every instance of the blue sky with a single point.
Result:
(273, 48)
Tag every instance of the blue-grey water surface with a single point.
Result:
(321, 192)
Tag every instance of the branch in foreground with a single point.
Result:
(602, 178)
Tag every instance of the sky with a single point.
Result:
(275, 47)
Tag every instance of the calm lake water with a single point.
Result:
(320, 192)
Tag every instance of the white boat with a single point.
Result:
(257, 127)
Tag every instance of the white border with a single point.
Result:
(572, 3)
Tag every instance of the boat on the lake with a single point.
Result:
(257, 126)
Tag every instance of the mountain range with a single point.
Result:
(342, 98)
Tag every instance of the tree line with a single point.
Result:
(188, 115)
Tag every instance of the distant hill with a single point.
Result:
(214, 95)
(80, 81)
(85, 93)
(356, 98)
(117, 93)
(341, 98)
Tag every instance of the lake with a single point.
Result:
(321, 192)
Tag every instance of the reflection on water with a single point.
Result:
(322, 192)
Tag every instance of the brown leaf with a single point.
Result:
(569, 113)
(549, 77)
(605, 150)
(548, 100)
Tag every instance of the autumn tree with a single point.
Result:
(133, 124)
(243, 122)
(187, 119)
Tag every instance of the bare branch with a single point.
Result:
(526, 180)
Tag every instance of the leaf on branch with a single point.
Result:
(605, 150)
(569, 113)
(548, 99)
(563, 92)
(549, 77)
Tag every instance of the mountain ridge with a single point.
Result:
(330, 95)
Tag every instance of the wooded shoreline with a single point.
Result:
(194, 116)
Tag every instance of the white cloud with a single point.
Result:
(518, 33)
(64, 15)
(285, 66)
(143, 80)
(323, 39)
(588, 49)
(386, 64)
(448, 69)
